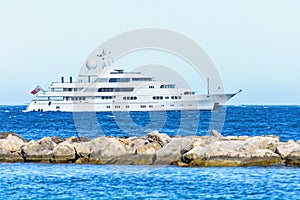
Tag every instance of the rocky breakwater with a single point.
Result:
(154, 149)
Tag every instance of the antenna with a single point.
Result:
(106, 62)
(207, 86)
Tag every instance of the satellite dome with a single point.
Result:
(91, 64)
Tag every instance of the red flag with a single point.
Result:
(36, 90)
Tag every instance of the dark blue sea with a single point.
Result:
(71, 181)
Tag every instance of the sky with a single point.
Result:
(255, 44)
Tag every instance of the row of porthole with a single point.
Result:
(161, 97)
(144, 106)
(41, 109)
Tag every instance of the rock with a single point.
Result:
(161, 139)
(8, 157)
(171, 152)
(4, 135)
(11, 142)
(156, 148)
(261, 142)
(217, 153)
(241, 138)
(64, 153)
(285, 148)
(149, 149)
(126, 143)
(166, 137)
(202, 141)
(72, 139)
(83, 151)
(264, 157)
(110, 151)
(84, 139)
(38, 151)
(195, 157)
(229, 153)
(139, 142)
(216, 134)
(57, 139)
(293, 159)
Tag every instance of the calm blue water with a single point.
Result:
(283, 121)
(49, 181)
(59, 181)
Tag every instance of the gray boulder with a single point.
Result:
(57, 139)
(171, 152)
(8, 157)
(161, 138)
(217, 153)
(64, 153)
(216, 134)
(285, 148)
(38, 151)
(293, 159)
(4, 135)
(10, 144)
(264, 157)
(83, 151)
(233, 153)
(110, 151)
(261, 142)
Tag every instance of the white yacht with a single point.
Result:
(110, 89)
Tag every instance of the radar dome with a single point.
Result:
(91, 64)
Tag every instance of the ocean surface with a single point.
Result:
(283, 121)
(71, 181)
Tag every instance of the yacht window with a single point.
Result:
(157, 97)
(115, 89)
(107, 106)
(57, 107)
(143, 106)
(188, 93)
(106, 97)
(167, 86)
(141, 79)
(130, 98)
(166, 97)
(175, 97)
(114, 80)
(151, 86)
(101, 80)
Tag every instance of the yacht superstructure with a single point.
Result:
(117, 90)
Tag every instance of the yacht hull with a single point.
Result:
(202, 102)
